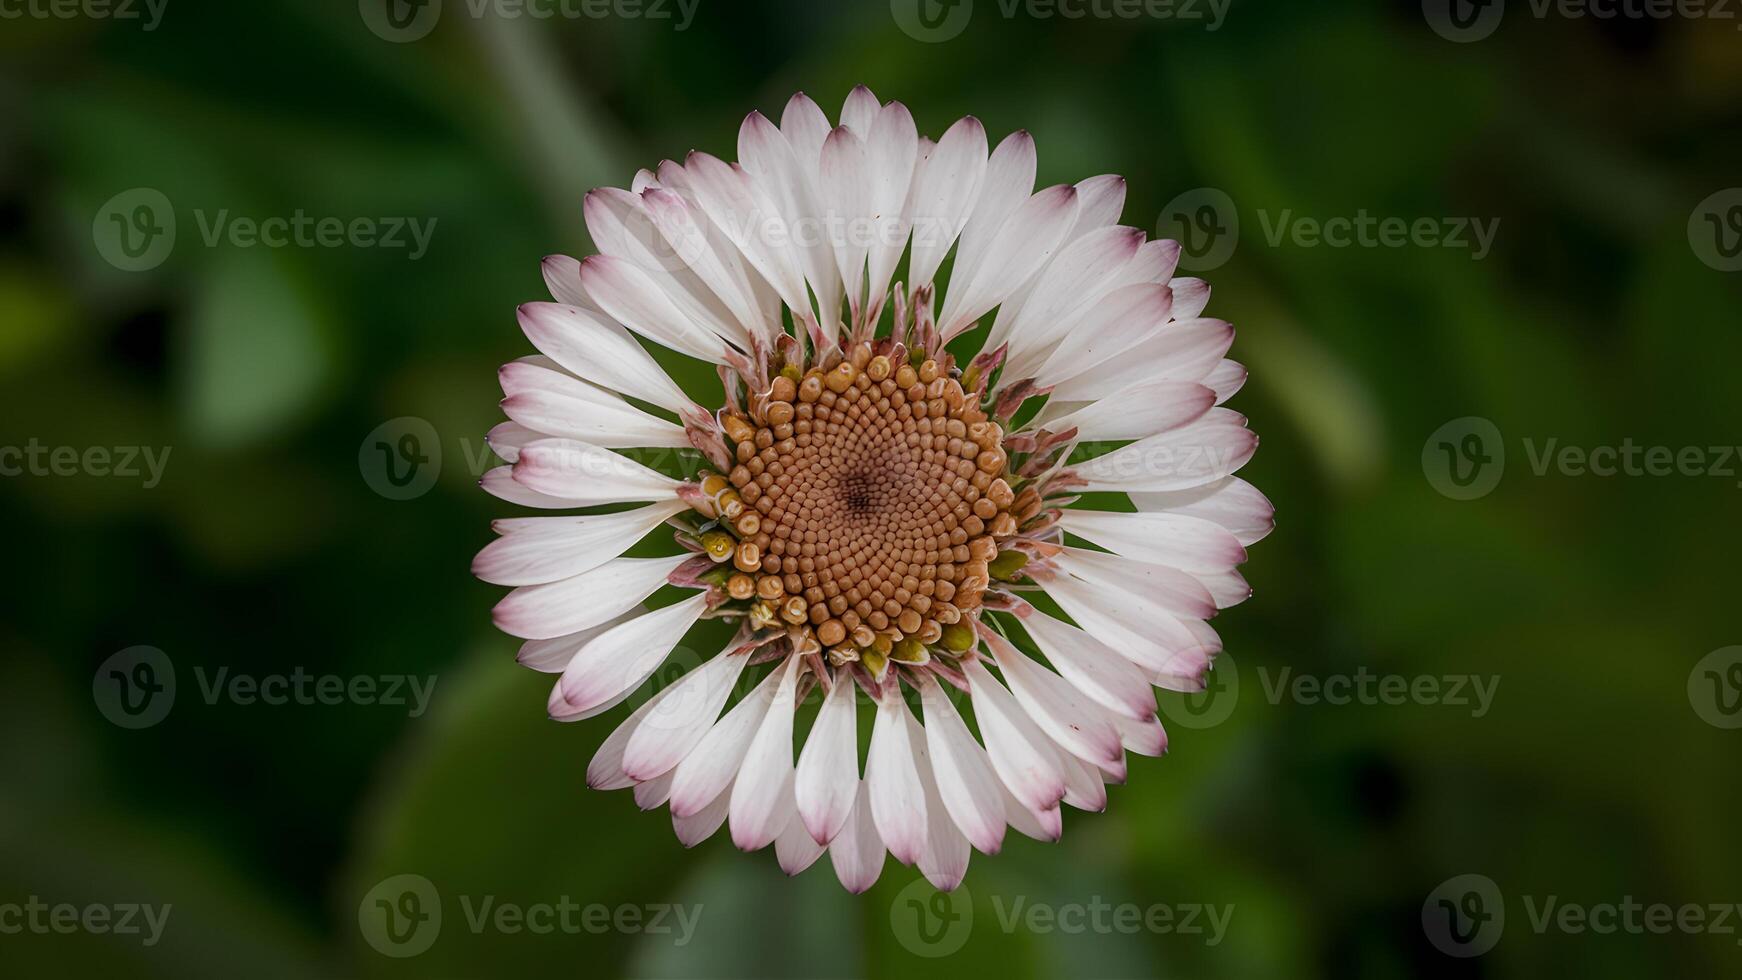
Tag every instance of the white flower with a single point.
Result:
(869, 504)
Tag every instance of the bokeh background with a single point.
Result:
(1601, 770)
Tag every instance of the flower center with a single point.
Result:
(871, 494)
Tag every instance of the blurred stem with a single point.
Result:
(569, 145)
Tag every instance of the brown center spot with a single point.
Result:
(875, 494)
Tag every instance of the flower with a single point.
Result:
(879, 520)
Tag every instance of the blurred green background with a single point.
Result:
(1598, 773)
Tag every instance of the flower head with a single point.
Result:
(878, 516)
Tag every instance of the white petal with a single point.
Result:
(588, 475)
(944, 857)
(669, 254)
(748, 218)
(1163, 538)
(702, 824)
(711, 259)
(1009, 182)
(601, 352)
(1145, 737)
(1190, 456)
(857, 852)
(541, 612)
(1231, 502)
(769, 159)
(794, 848)
(707, 771)
(1138, 412)
(652, 794)
(1190, 297)
(828, 768)
(1092, 667)
(860, 109)
(845, 178)
(1140, 632)
(1041, 825)
(635, 300)
(1060, 710)
(762, 799)
(1075, 281)
(892, 155)
(1016, 252)
(1164, 588)
(968, 787)
(1226, 379)
(1020, 753)
(1183, 350)
(687, 710)
(897, 798)
(562, 276)
(805, 126)
(944, 190)
(554, 402)
(1118, 321)
(499, 483)
(553, 655)
(605, 772)
(1100, 202)
(506, 439)
(1084, 787)
(619, 660)
(536, 550)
